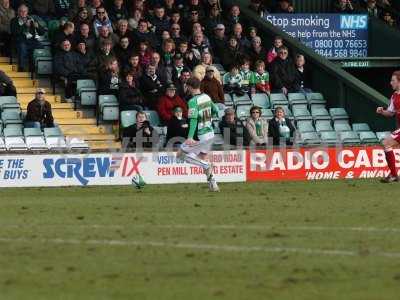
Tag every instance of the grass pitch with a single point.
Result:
(303, 240)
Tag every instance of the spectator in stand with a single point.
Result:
(100, 20)
(212, 87)
(233, 18)
(195, 6)
(244, 43)
(106, 34)
(62, 8)
(273, 52)
(388, 19)
(117, 11)
(7, 87)
(137, 135)
(85, 58)
(260, 79)
(82, 17)
(124, 31)
(213, 20)
(43, 9)
(230, 127)
(218, 42)
(94, 5)
(252, 33)
(67, 33)
(181, 84)
(175, 33)
(123, 51)
(174, 72)
(188, 57)
(39, 111)
(159, 21)
(232, 81)
(199, 45)
(371, 9)
(145, 53)
(303, 74)
(134, 20)
(130, 97)
(110, 80)
(343, 7)
(144, 34)
(283, 73)
(169, 6)
(167, 52)
(167, 102)
(6, 15)
(178, 127)
(151, 86)
(284, 7)
(247, 75)
(26, 31)
(68, 69)
(103, 56)
(84, 34)
(257, 127)
(175, 18)
(233, 53)
(257, 7)
(190, 20)
(206, 61)
(134, 67)
(161, 71)
(77, 9)
(280, 128)
(257, 51)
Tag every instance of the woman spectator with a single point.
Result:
(123, 30)
(167, 102)
(273, 52)
(6, 15)
(257, 127)
(130, 97)
(178, 127)
(101, 19)
(82, 17)
(257, 51)
(212, 87)
(145, 54)
(167, 52)
(110, 80)
(207, 61)
(139, 133)
(281, 128)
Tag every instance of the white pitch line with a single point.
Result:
(202, 247)
(215, 227)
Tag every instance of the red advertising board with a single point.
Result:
(317, 163)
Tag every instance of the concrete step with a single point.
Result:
(4, 59)
(8, 68)
(71, 114)
(32, 90)
(75, 121)
(54, 106)
(95, 137)
(99, 145)
(15, 75)
(26, 98)
(85, 129)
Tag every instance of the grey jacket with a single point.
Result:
(251, 128)
(6, 14)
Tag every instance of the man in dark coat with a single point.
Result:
(39, 110)
(284, 73)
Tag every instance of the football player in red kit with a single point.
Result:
(394, 139)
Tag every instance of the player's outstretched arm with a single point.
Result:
(384, 112)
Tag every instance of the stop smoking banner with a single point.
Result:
(317, 163)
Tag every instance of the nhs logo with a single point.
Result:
(353, 22)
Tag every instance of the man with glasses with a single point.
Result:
(175, 32)
(283, 73)
(101, 19)
(39, 111)
(218, 42)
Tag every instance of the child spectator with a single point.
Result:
(232, 81)
(303, 74)
(273, 52)
(260, 79)
(178, 126)
(247, 74)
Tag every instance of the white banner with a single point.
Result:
(114, 169)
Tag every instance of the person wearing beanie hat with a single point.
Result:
(167, 102)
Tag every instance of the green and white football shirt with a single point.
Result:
(203, 109)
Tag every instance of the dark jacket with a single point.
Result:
(273, 131)
(67, 63)
(152, 89)
(59, 37)
(177, 128)
(23, 32)
(284, 74)
(134, 131)
(213, 88)
(304, 79)
(122, 54)
(231, 56)
(7, 87)
(129, 96)
(232, 129)
(108, 84)
(40, 112)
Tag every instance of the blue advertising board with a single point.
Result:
(330, 35)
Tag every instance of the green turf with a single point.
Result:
(55, 242)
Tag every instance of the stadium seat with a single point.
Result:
(305, 126)
(301, 114)
(221, 110)
(315, 98)
(320, 114)
(243, 111)
(368, 137)
(76, 144)
(328, 137)
(34, 139)
(288, 112)
(55, 139)
(339, 127)
(153, 117)
(86, 91)
(14, 140)
(128, 118)
(43, 61)
(267, 113)
(310, 138)
(349, 138)
(278, 99)
(9, 103)
(323, 125)
(11, 117)
(108, 108)
(297, 98)
(261, 100)
(338, 114)
(358, 127)
(53, 26)
(228, 99)
(241, 100)
(382, 135)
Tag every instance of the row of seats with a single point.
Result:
(16, 138)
